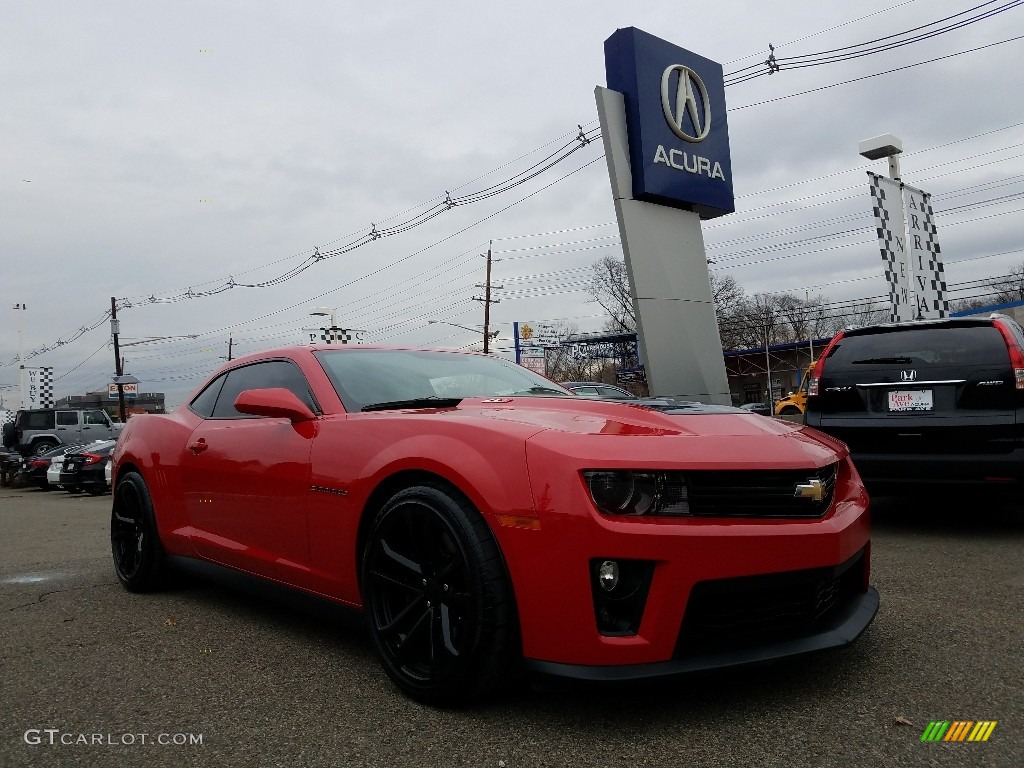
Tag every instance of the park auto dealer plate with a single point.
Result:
(910, 400)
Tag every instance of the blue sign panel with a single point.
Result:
(675, 116)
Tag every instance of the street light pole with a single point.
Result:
(326, 312)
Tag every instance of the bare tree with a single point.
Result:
(609, 285)
(1008, 288)
(866, 313)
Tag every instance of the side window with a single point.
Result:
(586, 391)
(205, 401)
(36, 420)
(95, 418)
(271, 374)
(67, 418)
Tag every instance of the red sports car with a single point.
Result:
(482, 517)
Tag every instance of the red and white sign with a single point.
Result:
(131, 391)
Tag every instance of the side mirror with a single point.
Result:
(276, 403)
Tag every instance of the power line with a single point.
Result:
(877, 74)
(890, 42)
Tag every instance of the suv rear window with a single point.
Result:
(35, 420)
(970, 346)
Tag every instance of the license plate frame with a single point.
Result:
(910, 401)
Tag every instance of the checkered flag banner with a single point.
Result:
(333, 335)
(930, 294)
(37, 387)
(887, 205)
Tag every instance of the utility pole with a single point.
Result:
(230, 341)
(115, 329)
(487, 300)
(21, 356)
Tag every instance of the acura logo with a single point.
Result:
(688, 88)
(908, 375)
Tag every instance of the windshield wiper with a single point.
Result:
(419, 402)
(885, 361)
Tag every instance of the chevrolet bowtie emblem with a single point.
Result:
(812, 489)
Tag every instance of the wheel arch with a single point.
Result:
(406, 478)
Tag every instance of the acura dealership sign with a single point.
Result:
(676, 122)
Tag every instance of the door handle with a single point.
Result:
(198, 446)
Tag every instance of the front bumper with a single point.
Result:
(551, 568)
(845, 627)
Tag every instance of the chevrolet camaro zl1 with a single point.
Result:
(482, 517)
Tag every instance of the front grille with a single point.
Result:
(728, 614)
(757, 493)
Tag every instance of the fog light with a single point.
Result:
(608, 575)
(619, 588)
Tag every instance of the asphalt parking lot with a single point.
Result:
(127, 679)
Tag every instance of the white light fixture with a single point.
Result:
(885, 145)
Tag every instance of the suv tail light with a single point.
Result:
(813, 383)
(1016, 355)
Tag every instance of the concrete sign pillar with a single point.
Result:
(672, 112)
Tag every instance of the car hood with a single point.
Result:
(657, 432)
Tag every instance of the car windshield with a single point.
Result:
(417, 378)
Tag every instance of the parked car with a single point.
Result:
(938, 401)
(83, 469)
(597, 389)
(482, 518)
(761, 408)
(38, 430)
(33, 468)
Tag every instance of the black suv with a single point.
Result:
(929, 401)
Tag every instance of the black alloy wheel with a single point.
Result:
(138, 555)
(437, 599)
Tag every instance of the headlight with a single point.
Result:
(624, 492)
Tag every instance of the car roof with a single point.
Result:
(948, 322)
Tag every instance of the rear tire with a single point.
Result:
(40, 447)
(138, 554)
(437, 599)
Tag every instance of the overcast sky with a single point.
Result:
(150, 150)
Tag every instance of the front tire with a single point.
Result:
(438, 604)
(138, 554)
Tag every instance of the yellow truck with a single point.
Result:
(796, 402)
